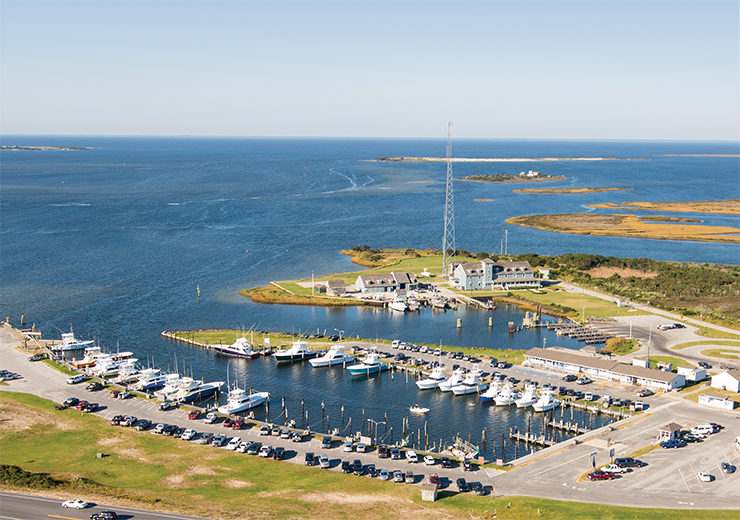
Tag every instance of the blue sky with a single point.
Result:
(655, 69)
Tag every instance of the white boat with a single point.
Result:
(507, 396)
(128, 374)
(418, 409)
(439, 303)
(399, 304)
(108, 366)
(336, 355)
(458, 376)
(433, 380)
(170, 387)
(240, 400)
(476, 371)
(191, 390)
(470, 385)
(89, 359)
(545, 402)
(298, 352)
(370, 365)
(69, 342)
(528, 398)
(240, 348)
(149, 379)
(490, 394)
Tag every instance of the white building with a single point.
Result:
(717, 401)
(727, 380)
(490, 275)
(378, 283)
(693, 374)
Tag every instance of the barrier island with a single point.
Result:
(568, 190)
(725, 207)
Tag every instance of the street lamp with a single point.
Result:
(340, 334)
(375, 429)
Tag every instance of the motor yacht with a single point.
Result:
(240, 348)
(433, 380)
(470, 385)
(240, 400)
(69, 342)
(528, 398)
(457, 378)
(370, 365)
(336, 355)
(546, 402)
(298, 352)
(489, 395)
(507, 396)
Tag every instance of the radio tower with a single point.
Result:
(448, 242)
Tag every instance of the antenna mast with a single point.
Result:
(448, 242)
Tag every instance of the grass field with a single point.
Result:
(583, 304)
(719, 334)
(725, 343)
(677, 362)
(722, 353)
(152, 472)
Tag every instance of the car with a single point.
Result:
(628, 462)
(297, 437)
(445, 462)
(94, 387)
(478, 488)
(104, 515)
(348, 447)
(704, 364)
(264, 430)
(189, 434)
(166, 406)
(211, 418)
(242, 448)
(81, 405)
(75, 504)
(324, 462)
(310, 459)
(265, 451)
(194, 414)
(727, 468)
(569, 378)
(143, 424)
(671, 444)
(357, 468)
(383, 452)
(112, 393)
(285, 433)
(254, 448)
(600, 475)
(384, 474)
(583, 381)
(218, 440)
(361, 447)
(116, 420)
(276, 429)
(205, 438)
(90, 408)
(429, 460)
(124, 395)
(398, 476)
(705, 477)
(691, 438)
(278, 453)
(645, 392)
(469, 466)
(462, 485)
(129, 420)
(71, 401)
(666, 326)
(76, 379)
(410, 478)
(171, 430)
(326, 443)
(679, 326)
(411, 457)
(395, 454)
(37, 357)
(237, 424)
(615, 468)
(434, 479)
(228, 422)
(346, 466)
(234, 443)
(370, 470)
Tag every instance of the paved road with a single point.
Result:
(668, 481)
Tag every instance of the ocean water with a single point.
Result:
(114, 240)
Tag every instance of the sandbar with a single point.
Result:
(568, 190)
(725, 207)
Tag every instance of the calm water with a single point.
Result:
(114, 240)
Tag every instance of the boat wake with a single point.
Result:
(355, 184)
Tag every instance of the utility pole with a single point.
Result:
(448, 241)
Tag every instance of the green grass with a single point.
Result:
(201, 480)
(62, 368)
(721, 353)
(713, 343)
(714, 333)
(677, 362)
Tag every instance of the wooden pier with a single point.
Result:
(531, 438)
(580, 332)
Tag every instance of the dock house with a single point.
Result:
(669, 432)
(380, 283)
(335, 287)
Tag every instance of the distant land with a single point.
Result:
(725, 207)
(43, 148)
(701, 155)
(496, 159)
(507, 177)
(568, 190)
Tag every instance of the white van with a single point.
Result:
(703, 429)
(79, 378)
(589, 396)
(411, 456)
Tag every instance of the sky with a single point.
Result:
(554, 69)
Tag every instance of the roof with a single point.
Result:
(734, 372)
(670, 427)
(400, 276)
(377, 279)
(715, 396)
(645, 373)
(472, 268)
(336, 282)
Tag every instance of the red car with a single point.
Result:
(194, 414)
(81, 405)
(228, 422)
(434, 479)
(600, 475)
(238, 424)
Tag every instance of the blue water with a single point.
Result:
(115, 239)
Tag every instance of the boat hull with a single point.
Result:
(289, 358)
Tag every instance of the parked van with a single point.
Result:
(589, 396)
(703, 429)
(79, 378)
(411, 456)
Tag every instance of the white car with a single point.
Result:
(210, 418)
(189, 434)
(75, 504)
(265, 451)
(324, 461)
(384, 474)
(243, 447)
(361, 447)
(348, 446)
(412, 457)
(613, 468)
(705, 477)
(234, 443)
(429, 460)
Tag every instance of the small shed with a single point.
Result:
(641, 362)
(693, 374)
(669, 432)
(717, 401)
(727, 380)
(428, 492)
(336, 287)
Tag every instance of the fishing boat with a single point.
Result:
(370, 365)
(433, 380)
(240, 400)
(298, 352)
(399, 304)
(170, 387)
(149, 379)
(192, 390)
(457, 378)
(470, 385)
(528, 398)
(93, 355)
(240, 348)
(69, 342)
(546, 402)
(507, 396)
(336, 355)
(489, 395)
(439, 302)
(418, 409)
(108, 366)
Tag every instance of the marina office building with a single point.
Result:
(487, 274)
(559, 360)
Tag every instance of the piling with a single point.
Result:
(459, 323)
